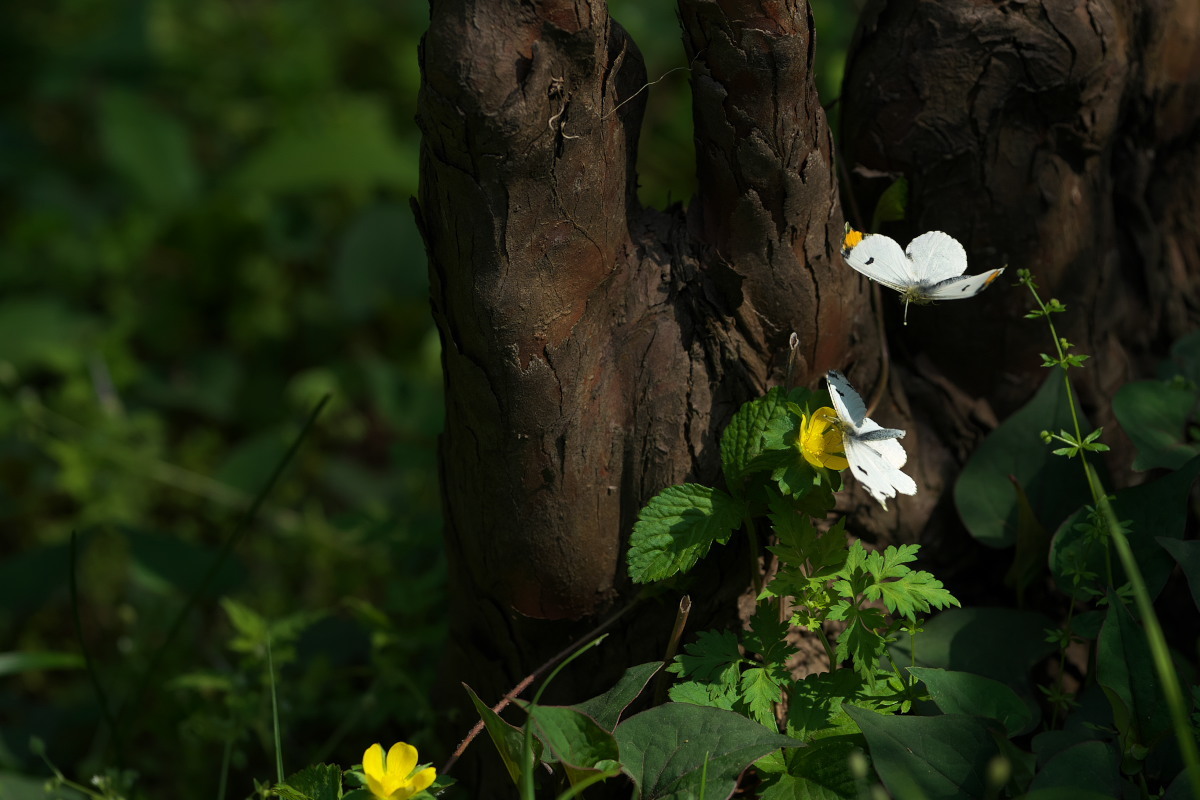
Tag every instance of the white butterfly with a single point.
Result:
(930, 269)
(874, 454)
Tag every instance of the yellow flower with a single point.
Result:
(388, 778)
(820, 440)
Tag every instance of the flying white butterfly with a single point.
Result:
(874, 454)
(930, 269)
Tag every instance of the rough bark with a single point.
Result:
(593, 349)
(1059, 136)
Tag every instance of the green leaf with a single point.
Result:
(606, 708)
(15, 663)
(682, 751)
(43, 332)
(148, 147)
(1055, 486)
(1033, 545)
(1188, 555)
(316, 782)
(677, 528)
(714, 656)
(341, 140)
(1000, 643)
(892, 204)
(939, 757)
(509, 739)
(974, 695)
(760, 690)
(742, 440)
(572, 738)
(820, 771)
(904, 591)
(368, 276)
(1155, 509)
(1125, 670)
(1083, 770)
(1154, 414)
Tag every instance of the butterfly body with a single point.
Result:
(930, 269)
(874, 453)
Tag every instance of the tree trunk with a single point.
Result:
(594, 349)
(1063, 137)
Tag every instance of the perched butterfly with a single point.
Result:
(874, 454)
(930, 269)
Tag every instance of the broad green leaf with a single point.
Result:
(742, 439)
(677, 528)
(344, 140)
(892, 204)
(509, 739)
(1155, 415)
(1088, 767)
(1157, 509)
(24, 661)
(1033, 545)
(369, 273)
(1188, 555)
(820, 771)
(999, 643)
(148, 147)
(42, 332)
(316, 782)
(606, 708)
(680, 751)
(1125, 670)
(974, 695)
(1184, 359)
(1055, 485)
(941, 757)
(572, 738)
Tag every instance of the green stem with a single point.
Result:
(1168, 679)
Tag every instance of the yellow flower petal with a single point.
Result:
(400, 760)
(423, 779)
(373, 769)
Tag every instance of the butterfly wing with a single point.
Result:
(846, 402)
(966, 286)
(881, 259)
(875, 471)
(883, 441)
(935, 257)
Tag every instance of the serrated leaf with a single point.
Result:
(820, 771)
(760, 690)
(317, 782)
(677, 528)
(742, 440)
(678, 751)
(704, 694)
(714, 657)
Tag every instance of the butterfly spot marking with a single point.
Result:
(870, 260)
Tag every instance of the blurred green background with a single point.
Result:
(204, 228)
